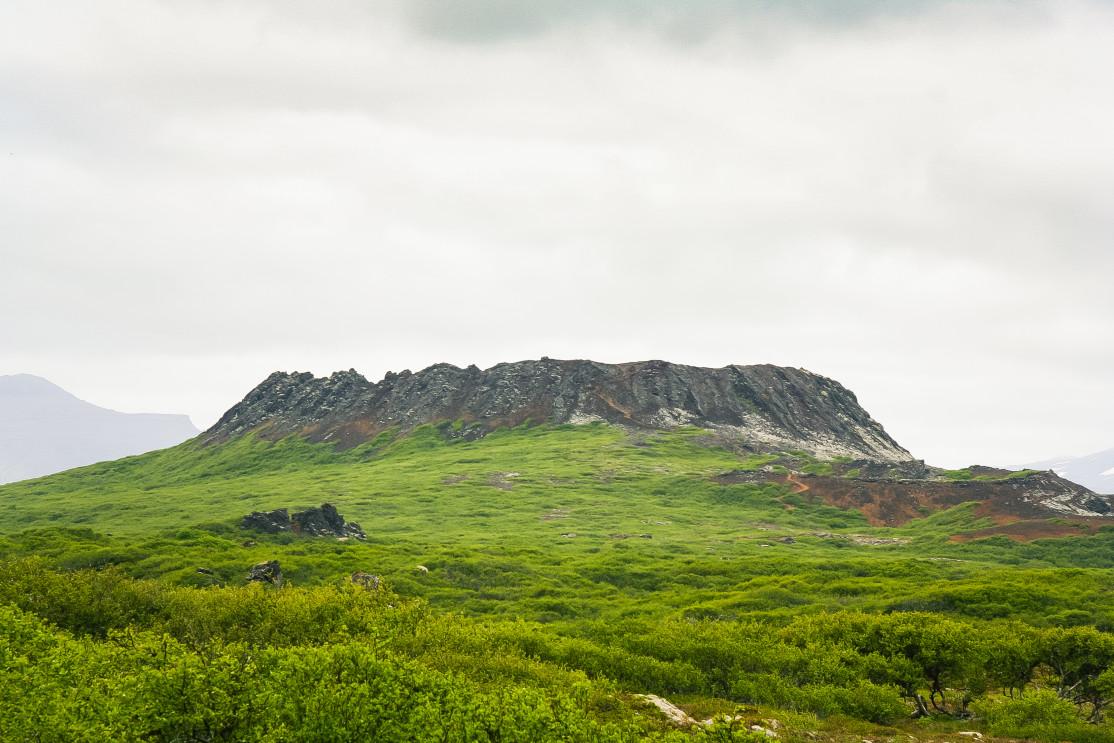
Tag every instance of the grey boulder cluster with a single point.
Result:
(322, 521)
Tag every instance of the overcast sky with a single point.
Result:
(916, 198)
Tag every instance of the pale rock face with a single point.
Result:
(1050, 491)
(763, 406)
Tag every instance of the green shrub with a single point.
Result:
(1039, 713)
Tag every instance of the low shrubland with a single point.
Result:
(95, 655)
(534, 584)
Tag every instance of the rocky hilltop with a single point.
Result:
(762, 407)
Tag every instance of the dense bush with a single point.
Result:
(1036, 714)
(93, 655)
(142, 661)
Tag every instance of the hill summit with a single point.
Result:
(762, 407)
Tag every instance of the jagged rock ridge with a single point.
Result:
(762, 406)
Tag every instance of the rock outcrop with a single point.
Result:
(266, 572)
(325, 522)
(763, 407)
(322, 521)
(367, 580)
(268, 522)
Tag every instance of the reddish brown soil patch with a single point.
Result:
(895, 502)
(798, 486)
(884, 503)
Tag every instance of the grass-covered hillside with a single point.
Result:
(535, 581)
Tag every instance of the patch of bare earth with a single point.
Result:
(502, 480)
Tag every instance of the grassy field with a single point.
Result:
(566, 548)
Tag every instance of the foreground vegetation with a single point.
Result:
(94, 655)
(535, 583)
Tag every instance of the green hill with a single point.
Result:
(553, 572)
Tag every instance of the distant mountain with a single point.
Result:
(44, 429)
(1094, 471)
(762, 407)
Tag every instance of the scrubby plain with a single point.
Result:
(535, 583)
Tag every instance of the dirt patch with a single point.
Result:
(896, 502)
(502, 480)
(798, 486)
(862, 539)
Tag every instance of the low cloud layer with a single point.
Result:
(917, 200)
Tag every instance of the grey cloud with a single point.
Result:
(501, 20)
(914, 201)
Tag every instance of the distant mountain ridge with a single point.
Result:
(44, 429)
(1094, 471)
(767, 407)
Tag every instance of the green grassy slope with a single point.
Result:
(591, 534)
(493, 520)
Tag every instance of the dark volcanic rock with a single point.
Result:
(1098, 505)
(768, 407)
(266, 572)
(268, 522)
(323, 521)
(913, 469)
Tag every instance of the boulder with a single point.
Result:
(269, 522)
(672, 712)
(323, 521)
(266, 572)
(367, 580)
